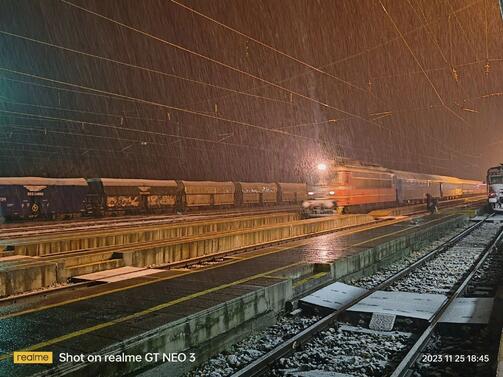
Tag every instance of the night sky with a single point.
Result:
(248, 89)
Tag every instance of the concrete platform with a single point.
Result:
(199, 311)
(118, 274)
(414, 208)
(20, 274)
(162, 252)
(77, 240)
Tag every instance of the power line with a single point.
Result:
(430, 32)
(474, 49)
(81, 111)
(318, 70)
(96, 113)
(207, 58)
(153, 103)
(133, 142)
(103, 125)
(72, 148)
(146, 69)
(111, 97)
(366, 51)
(30, 115)
(6, 100)
(486, 29)
(419, 64)
(37, 41)
(119, 116)
(384, 77)
(66, 89)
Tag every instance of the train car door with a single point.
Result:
(398, 189)
(144, 194)
(37, 204)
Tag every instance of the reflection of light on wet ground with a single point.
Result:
(326, 249)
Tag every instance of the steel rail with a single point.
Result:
(9, 232)
(262, 364)
(409, 360)
(13, 231)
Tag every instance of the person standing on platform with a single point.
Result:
(431, 204)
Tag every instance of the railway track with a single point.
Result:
(40, 228)
(193, 263)
(324, 341)
(408, 362)
(30, 229)
(196, 262)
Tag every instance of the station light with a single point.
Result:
(322, 167)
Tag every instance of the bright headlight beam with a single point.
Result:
(322, 167)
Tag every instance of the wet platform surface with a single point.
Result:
(86, 322)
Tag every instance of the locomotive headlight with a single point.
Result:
(332, 192)
(310, 193)
(321, 166)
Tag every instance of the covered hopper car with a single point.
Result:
(119, 196)
(33, 197)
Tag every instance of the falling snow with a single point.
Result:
(248, 90)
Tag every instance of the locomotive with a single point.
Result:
(495, 188)
(34, 197)
(357, 187)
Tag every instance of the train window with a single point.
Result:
(342, 178)
(367, 183)
(495, 179)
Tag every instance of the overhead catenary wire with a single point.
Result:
(146, 69)
(68, 147)
(58, 108)
(153, 103)
(364, 51)
(276, 50)
(138, 142)
(117, 127)
(450, 63)
(438, 69)
(124, 116)
(420, 65)
(110, 126)
(486, 30)
(106, 96)
(132, 142)
(474, 48)
(207, 58)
